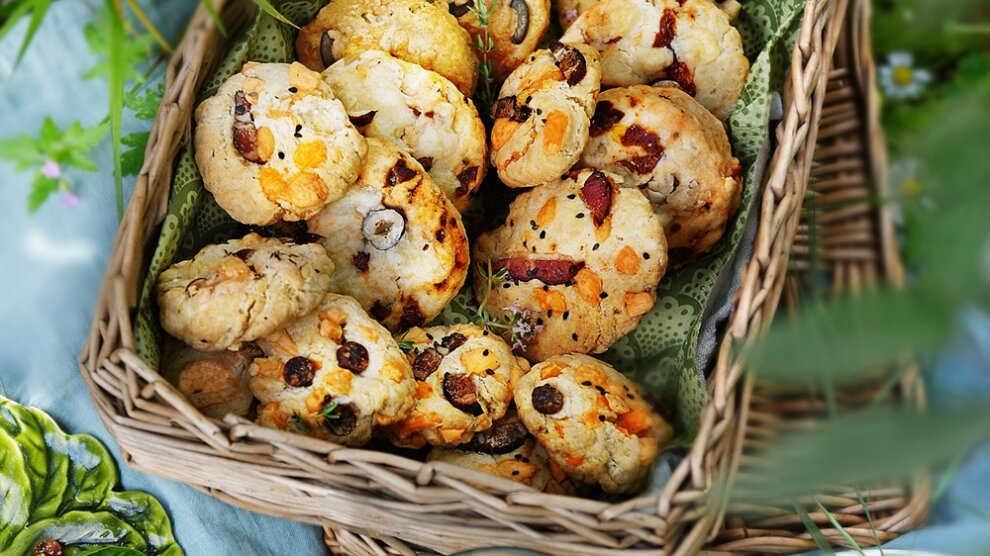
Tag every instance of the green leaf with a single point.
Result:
(145, 107)
(267, 7)
(116, 74)
(134, 51)
(22, 152)
(132, 158)
(813, 530)
(852, 335)
(49, 133)
(842, 530)
(41, 189)
(109, 551)
(866, 446)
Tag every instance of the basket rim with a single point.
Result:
(138, 406)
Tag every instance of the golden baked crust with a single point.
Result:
(333, 374)
(507, 450)
(515, 27)
(542, 115)
(593, 421)
(582, 259)
(417, 109)
(665, 143)
(463, 384)
(416, 31)
(690, 42)
(398, 243)
(274, 144)
(215, 382)
(241, 290)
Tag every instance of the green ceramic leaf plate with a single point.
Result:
(143, 512)
(78, 531)
(15, 490)
(662, 353)
(45, 470)
(92, 473)
(58, 465)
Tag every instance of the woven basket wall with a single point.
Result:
(855, 249)
(381, 498)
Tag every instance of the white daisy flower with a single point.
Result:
(900, 79)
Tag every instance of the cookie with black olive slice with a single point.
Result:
(580, 261)
(515, 28)
(398, 243)
(689, 42)
(663, 142)
(419, 110)
(241, 290)
(275, 144)
(215, 382)
(592, 420)
(463, 376)
(417, 31)
(507, 450)
(542, 115)
(333, 374)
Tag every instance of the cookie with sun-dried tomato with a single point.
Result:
(542, 115)
(689, 42)
(420, 110)
(419, 31)
(592, 420)
(333, 374)
(397, 242)
(575, 265)
(569, 10)
(275, 144)
(241, 290)
(507, 450)
(464, 377)
(665, 143)
(515, 28)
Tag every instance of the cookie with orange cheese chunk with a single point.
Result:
(464, 376)
(592, 420)
(579, 262)
(334, 374)
(275, 144)
(542, 115)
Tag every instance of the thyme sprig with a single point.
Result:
(485, 45)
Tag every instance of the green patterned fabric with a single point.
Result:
(661, 352)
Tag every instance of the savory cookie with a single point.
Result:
(397, 241)
(592, 421)
(515, 28)
(274, 144)
(663, 142)
(463, 376)
(690, 42)
(507, 450)
(569, 10)
(542, 115)
(333, 374)
(582, 259)
(215, 382)
(417, 31)
(241, 290)
(417, 109)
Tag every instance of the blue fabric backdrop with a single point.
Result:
(53, 263)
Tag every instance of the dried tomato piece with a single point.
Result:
(606, 115)
(461, 392)
(570, 61)
(245, 134)
(597, 195)
(504, 436)
(426, 363)
(552, 272)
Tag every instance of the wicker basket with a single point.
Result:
(856, 250)
(373, 498)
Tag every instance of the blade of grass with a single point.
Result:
(115, 85)
(869, 518)
(38, 11)
(947, 476)
(17, 12)
(838, 527)
(267, 7)
(148, 25)
(212, 10)
(816, 533)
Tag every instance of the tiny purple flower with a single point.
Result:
(69, 199)
(51, 169)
